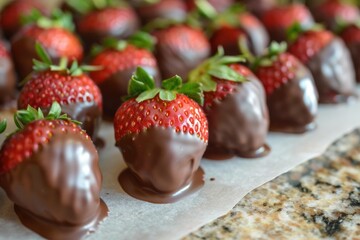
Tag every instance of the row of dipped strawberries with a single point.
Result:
(213, 85)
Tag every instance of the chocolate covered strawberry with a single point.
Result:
(258, 7)
(7, 79)
(119, 60)
(278, 19)
(350, 34)
(165, 9)
(54, 34)
(233, 24)
(99, 19)
(235, 107)
(291, 94)
(329, 12)
(49, 169)
(78, 95)
(329, 61)
(11, 15)
(162, 134)
(180, 48)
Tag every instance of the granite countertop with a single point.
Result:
(319, 199)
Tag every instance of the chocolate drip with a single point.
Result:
(293, 106)
(115, 88)
(238, 125)
(7, 84)
(334, 73)
(56, 192)
(163, 166)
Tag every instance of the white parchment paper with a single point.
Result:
(133, 219)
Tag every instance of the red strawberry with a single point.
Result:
(351, 37)
(278, 19)
(53, 34)
(98, 22)
(10, 17)
(258, 7)
(49, 169)
(329, 61)
(234, 24)
(171, 132)
(179, 49)
(329, 12)
(235, 107)
(7, 79)
(218, 5)
(119, 60)
(78, 95)
(289, 85)
(164, 9)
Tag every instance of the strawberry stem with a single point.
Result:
(3, 125)
(142, 87)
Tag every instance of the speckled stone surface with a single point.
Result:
(317, 200)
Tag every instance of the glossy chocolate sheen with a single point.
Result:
(179, 61)
(164, 9)
(115, 88)
(7, 83)
(333, 73)
(354, 49)
(163, 166)
(293, 106)
(56, 192)
(238, 125)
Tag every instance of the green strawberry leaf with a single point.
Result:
(142, 40)
(149, 94)
(194, 91)
(55, 111)
(225, 72)
(172, 83)
(167, 95)
(3, 125)
(43, 55)
(207, 83)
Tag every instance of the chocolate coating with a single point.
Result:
(238, 125)
(163, 166)
(164, 9)
(56, 191)
(293, 106)
(115, 88)
(258, 6)
(7, 84)
(354, 48)
(334, 73)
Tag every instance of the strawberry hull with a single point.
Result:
(163, 166)
(238, 124)
(7, 84)
(333, 73)
(115, 88)
(293, 106)
(60, 183)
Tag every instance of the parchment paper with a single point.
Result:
(133, 219)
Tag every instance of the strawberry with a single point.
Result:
(278, 19)
(235, 107)
(78, 95)
(7, 79)
(119, 60)
(233, 24)
(49, 169)
(258, 7)
(329, 61)
(179, 49)
(218, 5)
(329, 12)
(52, 33)
(171, 132)
(11, 14)
(99, 19)
(290, 89)
(351, 36)
(165, 9)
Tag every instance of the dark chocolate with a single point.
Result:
(164, 9)
(354, 48)
(293, 106)
(163, 166)
(56, 192)
(7, 84)
(258, 7)
(333, 73)
(238, 124)
(115, 88)
(278, 34)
